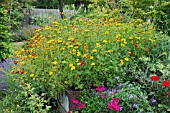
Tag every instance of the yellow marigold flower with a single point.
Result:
(70, 65)
(91, 57)
(140, 24)
(12, 71)
(98, 45)
(87, 30)
(55, 67)
(118, 35)
(130, 38)
(54, 63)
(55, 23)
(110, 51)
(62, 48)
(164, 53)
(78, 64)
(104, 41)
(28, 85)
(49, 17)
(70, 38)
(22, 63)
(78, 53)
(22, 50)
(63, 62)
(122, 45)
(92, 64)
(13, 79)
(0, 69)
(73, 68)
(77, 60)
(106, 33)
(111, 20)
(121, 62)
(126, 59)
(94, 50)
(50, 73)
(85, 56)
(32, 75)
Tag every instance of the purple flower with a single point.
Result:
(116, 78)
(153, 101)
(130, 96)
(119, 85)
(135, 105)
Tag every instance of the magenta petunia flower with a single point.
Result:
(81, 106)
(100, 88)
(75, 101)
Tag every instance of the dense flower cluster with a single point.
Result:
(114, 104)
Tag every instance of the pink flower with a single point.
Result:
(113, 106)
(100, 88)
(115, 100)
(80, 106)
(102, 96)
(75, 101)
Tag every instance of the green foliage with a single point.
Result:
(5, 34)
(156, 11)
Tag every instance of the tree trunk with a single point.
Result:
(61, 8)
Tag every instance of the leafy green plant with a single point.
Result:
(5, 34)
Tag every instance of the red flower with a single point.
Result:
(169, 93)
(166, 83)
(130, 53)
(15, 62)
(136, 45)
(33, 54)
(155, 78)
(154, 45)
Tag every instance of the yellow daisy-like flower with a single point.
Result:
(28, 85)
(94, 50)
(111, 20)
(118, 35)
(85, 56)
(70, 65)
(87, 30)
(104, 41)
(122, 45)
(78, 53)
(0, 69)
(110, 51)
(164, 53)
(91, 57)
(32, 75)
(13, 79)
(92, 64)
(140, 25)
(21, 63)
(50, 73)
(161, 32)
(98, 45)
(73, 68)
(121, 62)
(63, 62)
(54, 63)
(77, 60)
(126, 59)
